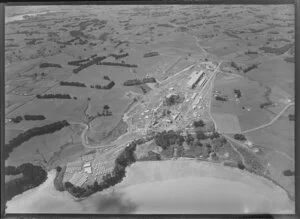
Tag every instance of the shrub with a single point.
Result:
(289, 173)
(240, 137)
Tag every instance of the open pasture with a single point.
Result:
(252, 97)
(280, 135)
(275, 72)
(39, 149)
(227, 122)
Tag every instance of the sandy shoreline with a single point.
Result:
(174, 186)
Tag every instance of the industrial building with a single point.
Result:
(88, 157)
(196, 77)
(78, 179)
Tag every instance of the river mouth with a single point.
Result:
(166, 187)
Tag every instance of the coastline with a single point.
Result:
(157, 174)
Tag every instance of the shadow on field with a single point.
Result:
(113, 203)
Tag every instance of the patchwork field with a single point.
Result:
(252, 96)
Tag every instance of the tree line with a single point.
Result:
(68, 42)
(150, 54)
(30, 133)
(78, 62)
(116, 56)
(32, 176)
(108, 86)
(249, 68)
(54, 96)
(96, 60)
(18, 119)
(118, 64)
(139, 81)
(47, 65)
(75, 84)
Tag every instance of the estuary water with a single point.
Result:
(164, 187)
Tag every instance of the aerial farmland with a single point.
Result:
(99, 97)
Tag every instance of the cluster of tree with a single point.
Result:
(150, 54)
(32, 176)
(96, 60)
(201, 135)
(56, 96)
(221, 98)
(139, 81)
(108, 86)
(105, 111)
(173, 99)
(105, 77)
(240, 137)
(240, 165)
(30, 133)
(250, 68)
(292, 117)
(77, 191)
(119, 56)
(165, 139)
(46, 65)
(198, 123)
(118, 64)
(16, 119)
(75, 84)
(290, 59)
(237, 92)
